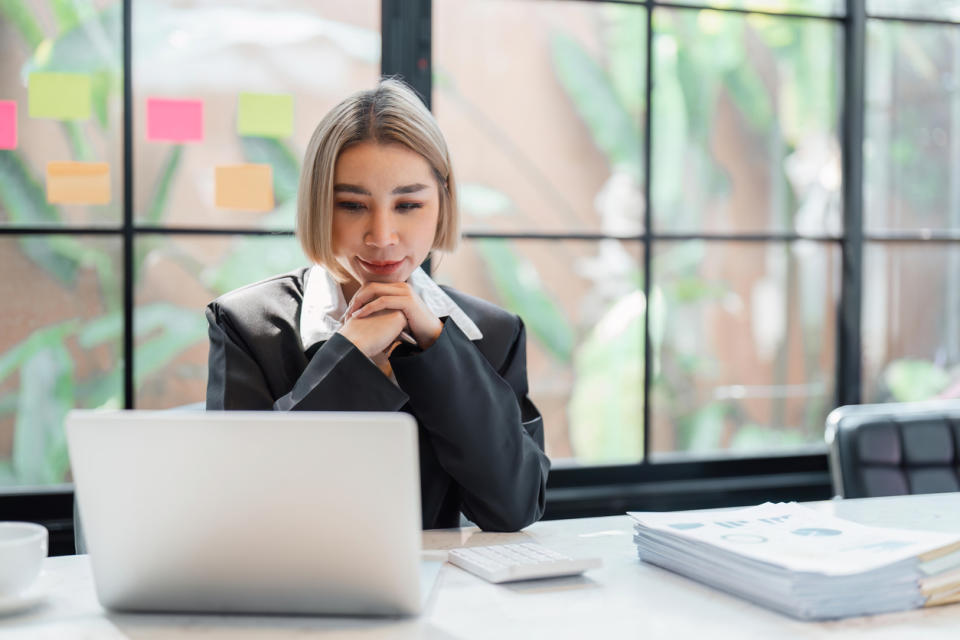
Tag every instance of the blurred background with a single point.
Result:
(666, 213)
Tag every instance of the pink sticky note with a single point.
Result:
(174, 120)
(8, 124)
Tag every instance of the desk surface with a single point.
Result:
(624, 599)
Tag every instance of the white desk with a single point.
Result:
(624, 599)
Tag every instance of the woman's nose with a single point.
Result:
(381, 231)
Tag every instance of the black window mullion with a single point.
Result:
(128, 230)
(405, 44)
(647, 230)
(849, 369)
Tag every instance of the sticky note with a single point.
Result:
(174, 120)
(265, 115)
(78, 182)
(59, 96)
(247, 187)
(8, 124)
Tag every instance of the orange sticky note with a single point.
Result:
(78, 182)
(247, 187)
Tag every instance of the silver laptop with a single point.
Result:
(255, 512)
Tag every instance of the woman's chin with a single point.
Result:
(400, 276)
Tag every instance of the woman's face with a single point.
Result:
(385, 211)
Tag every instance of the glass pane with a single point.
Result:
(83, 40)
(61, 334)
(542, 107)
(176, 277)
(745, 123)
(911, 322)
(744, 338)
(318, 52)
(934, 9)
(582, 305)
(912, 127)
(804, 7)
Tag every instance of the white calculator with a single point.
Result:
(518, 561)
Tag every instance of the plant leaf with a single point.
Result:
(517, 285)
(46, 395)
(22, 196)
(614, 131)
(179, 328)
(158, 203)
(39, 339)
(911, 380)
(7, 476)
(94, 45)
(70, 13)
(606, 403)
(254, 259)
(16, 13)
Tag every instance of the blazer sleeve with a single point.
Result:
(338, 377)
(486, 432)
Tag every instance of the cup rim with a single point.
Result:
(32, 530)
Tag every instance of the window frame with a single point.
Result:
(406, 32)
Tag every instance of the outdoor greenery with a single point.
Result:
(701, 58)
(48, 385)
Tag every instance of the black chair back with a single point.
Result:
(895, 449)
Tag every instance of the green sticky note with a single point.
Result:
(59, 96)
(265, 115)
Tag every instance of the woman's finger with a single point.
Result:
(373, 290)
(399, 303)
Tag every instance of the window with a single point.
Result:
(66, 267)
(738, 254)
(658, 189)
(911, 296)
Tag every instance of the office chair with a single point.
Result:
(79, 543)
(894, 449)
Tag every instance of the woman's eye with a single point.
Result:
(409, 206)
(350, 206)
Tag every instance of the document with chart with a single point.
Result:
(802, 562)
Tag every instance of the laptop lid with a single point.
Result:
(267, 512)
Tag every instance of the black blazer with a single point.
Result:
(481, 439)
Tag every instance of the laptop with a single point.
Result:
(252, 512)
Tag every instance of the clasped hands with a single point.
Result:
(380, 311)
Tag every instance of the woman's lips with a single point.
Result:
(380, 267)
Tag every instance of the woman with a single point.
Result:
(365, 329)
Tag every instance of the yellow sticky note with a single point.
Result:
(78, 182)
(265, 115)
(59, 96)
(247, 187)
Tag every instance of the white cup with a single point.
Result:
(23, 546)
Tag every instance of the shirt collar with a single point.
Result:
(324, 305)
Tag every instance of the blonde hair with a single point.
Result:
(389, 113)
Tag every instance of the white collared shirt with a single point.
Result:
(324, 306)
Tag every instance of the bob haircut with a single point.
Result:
(390, 113)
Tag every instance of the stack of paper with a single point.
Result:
(801, 562)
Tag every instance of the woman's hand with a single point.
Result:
(375, 334)
(375, 298)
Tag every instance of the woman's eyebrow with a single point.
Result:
(351, 188)
(409, 188)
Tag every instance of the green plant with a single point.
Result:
(910, 380)
(699, 56)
